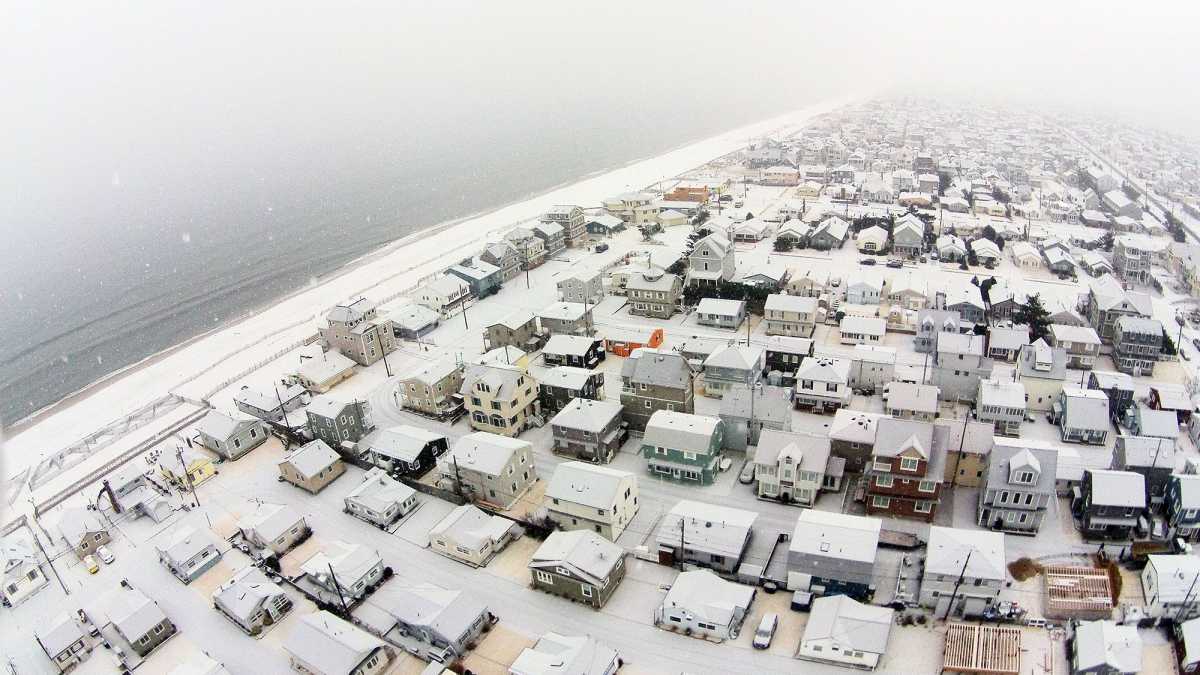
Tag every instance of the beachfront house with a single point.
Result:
(355, 329)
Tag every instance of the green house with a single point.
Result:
(683, 447)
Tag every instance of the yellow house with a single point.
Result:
(199, 466)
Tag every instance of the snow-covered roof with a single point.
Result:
(681, 431)
(586, 554)
(836, 535)
(708, 597)
(311, 458)
(1106, 646)
(1125, 489)
(718, 530)
(484, 452)
(586, 484)
(852, 625)
(948, 548)
(329, 644)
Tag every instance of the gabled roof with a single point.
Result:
(221, 426)
(709, 597)
(896, 437)
(854, 426)
(586, 484)
(1101, 644)
(350, 562)
(824, 369)
(586, 414)
(557, 654)
(1126, 489)
(379, 491)
(330, 644)
(446, 613)
(187, 543)
(852, 625)
(736, 357)
(469, 526)
(403, 441)
(131, 612)
(245, 592)
(681, 431)
(269, 521)
(485, 452)
(312, 458)
(587, 555)
(949, 547)
(657, 367)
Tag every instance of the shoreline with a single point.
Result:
(528, 206)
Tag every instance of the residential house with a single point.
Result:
(447, 295)
(403, 450)
(653, 380)
(968, 445)
(1137, 345)
(931, 323)
(1145, 421)
(1107, 301)
(705, 535)
(356, 330)
(790, 315)
(566, 318)
(728, 314)
(1105, 648)
(873, 239)
(1118, 387)
(583, 496)
(833, 554)
(852, 436)
(865, 290)
(783, 356)
(563, 384)
(705, 606)
(274, 527)
(339, 424)
(411, 321)
(1183, 505)
(1081, 343)
(1172, 397)
(1168, 586)
(380, 499)
(136, 618)
(481, 277)
(1132, 259)
(905, 475)
(505, 256)
(251, 600)
(228, 436)
(633, 208)
(20, 572)
(63, 642)
(433, 623)
(471, 536)
(843, 632)
(908, 236)
(654, 293)
(342, 572)
(500, 398)
(1025, 256)
(1154, 458)
(966, 567)
(959, 365)
(1004, 344)
(872, 367)
(530, 245)
(320, 370)
(1082, 416)
(1109, 503)
(558, 654)
(432, 389)
(751, 231)
(967, 300)
(712, 260)
(683, 446)
(1001, 403)
(794, 468)
(1043, 370)
(518, 329)
(312, 466)
(571, 219)
(1019, 488)
(579, 565)
(823, 384)
(573, 350)
(950, 248)
(82, 531)
(322, 644)
(581, 285)
(489, 468)
(733, 366)
(1187, 636)
(830, 234)
(908, 292)
(746, 411)
(910, 401)
(270, 405)
(188, 554)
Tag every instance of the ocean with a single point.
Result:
(152, 248)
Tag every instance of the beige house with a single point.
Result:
(489, 468)
(469, 535)
(83, 531)
(500, 398)
(355, 329)
(584, 496)
(430, 389)
(312, 466)
(791, 315)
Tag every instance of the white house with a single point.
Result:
(844, 632)
(583, 496)
(704, 605)
(975, 556)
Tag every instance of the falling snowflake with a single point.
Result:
(186, 237)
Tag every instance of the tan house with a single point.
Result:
(83, 531)
(489, 468)
(471, 536)
(431, 389)
(583, 496)
(500, 398)
(312, 466)
(791, 315)
(355, 329)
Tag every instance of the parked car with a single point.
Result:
(746, 477)
(601, 248)
(739, 204)
(106, 555)
(1196, 343)
(867, 261)
(895, 264)
(766, 630)
(91, 564)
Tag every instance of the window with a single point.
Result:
(880, 502)
(545, 577)
(926, 486)
(909, 464)
(586, 590)
(883, 481)
(923, 506)
(159, 629)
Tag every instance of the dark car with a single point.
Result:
(867, 261)
(601, 248)
(895, 264)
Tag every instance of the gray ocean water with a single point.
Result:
(149, 248)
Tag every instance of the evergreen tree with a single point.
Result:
(1034, 315)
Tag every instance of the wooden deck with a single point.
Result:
(982, 650)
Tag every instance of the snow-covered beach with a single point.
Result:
(200, 366)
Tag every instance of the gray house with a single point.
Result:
(63, 642)
(1082, 416)
(1019, 488)
(721, 313)
(584, 285)
(505, 256)
(1118, 387)
(431, 622)
(566, 318)
(1105, 648)
(1154, 458)
(562, 384)
(482, 277)
(959, 365)
(705, 535)
(1137, 345)
(337, 422)
(355, 329)
(653, 380)
(589, 430)
(653, 292)
(833, 554)
(733, 366)
(227, 436)
(189, 554)
(251, 600)
(137, 619)
(931, 323)
(747, 411)
(274, 527)
(518, 329)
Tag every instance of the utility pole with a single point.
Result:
(1186, 598)
(37, 540)
(338, 588)
(187, 474)
(682, 544)
(963, 573)
(383, 350)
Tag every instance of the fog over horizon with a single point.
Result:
(168, 161)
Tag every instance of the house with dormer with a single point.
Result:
(905, 475)
(1019, 488)
(712, 261)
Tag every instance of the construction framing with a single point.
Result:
(982, 650)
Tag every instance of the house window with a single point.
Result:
(545, 577)
(926, 486)
(586, 590)
(922, 506)
(884, 481)
(880, 502)
(908, 464)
